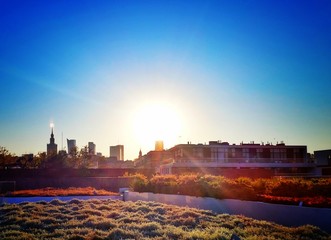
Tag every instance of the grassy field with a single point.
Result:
(109, 219)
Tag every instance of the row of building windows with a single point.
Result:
(244, 153)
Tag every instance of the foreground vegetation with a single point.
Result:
(109, 219)
(311, 192)
(50, 192)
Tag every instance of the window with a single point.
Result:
(246, 153)
(259, 153)
(232, 153)
(283, 154)
(275, 154)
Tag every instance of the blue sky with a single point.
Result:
(107, 71)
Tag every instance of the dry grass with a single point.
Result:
(109, 219)
(50, 192)
(324, 202)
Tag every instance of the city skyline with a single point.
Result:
(135, 72)
(158, 145)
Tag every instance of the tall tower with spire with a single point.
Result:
(51, 146)
(140, 154)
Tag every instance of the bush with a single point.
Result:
(163, 184)
(139, 182)
(240, 188)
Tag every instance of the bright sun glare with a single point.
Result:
(157, 122)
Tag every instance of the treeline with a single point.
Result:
(311, 192)
(77, 158)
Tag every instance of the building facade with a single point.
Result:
(153, 159)
(71, 145)
(159, 145)
(117, 151)
(91, 148)
(323, 157)
(232, 159)
(223, 152)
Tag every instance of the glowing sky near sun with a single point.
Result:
(132, 72)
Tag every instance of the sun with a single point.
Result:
(157, 122)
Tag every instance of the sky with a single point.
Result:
(133, 72)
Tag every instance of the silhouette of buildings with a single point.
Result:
(323, 157)
(140, 154)
(216, 158)
(116, 152)
(51, 146)
(323, 162)
(91, 148)
(111, 162)
(153, 159)
(71, 145)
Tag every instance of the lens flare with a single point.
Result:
(157, 122)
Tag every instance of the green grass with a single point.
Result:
(109, 219)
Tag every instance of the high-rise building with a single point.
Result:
(91, 148)
(71, 145)
(117, 151)
(51, 147)
(159, 145)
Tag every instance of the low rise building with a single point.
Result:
(220, 157)
(223, 152)
(323, 157)
(323, 162)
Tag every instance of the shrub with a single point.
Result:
(240, 188)
(164, 184)
(139, 183)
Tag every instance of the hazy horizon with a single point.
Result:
(132, 72)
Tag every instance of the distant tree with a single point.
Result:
(73, 158)
(78, 158)
(54, 161)
(39, 160)
(85, 157)
(29, 161)
(25, 161)
(6, 158)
